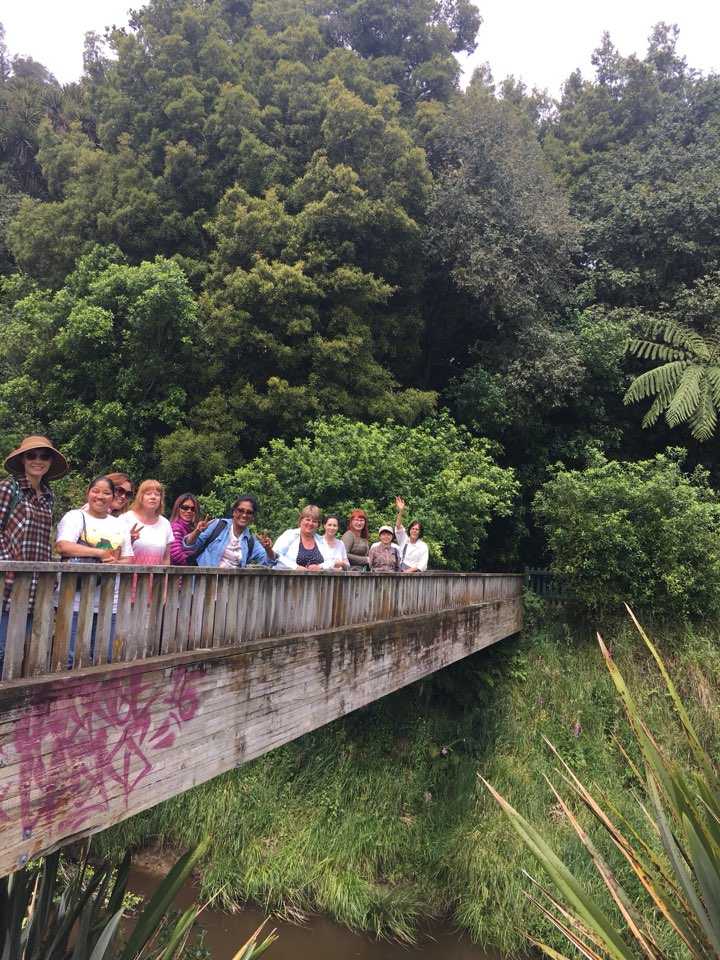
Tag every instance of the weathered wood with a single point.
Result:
(95, 746)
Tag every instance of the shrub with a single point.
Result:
(645, 533)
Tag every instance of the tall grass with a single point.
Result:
(378, 819)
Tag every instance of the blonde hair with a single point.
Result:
(143, 489)
(311, 511)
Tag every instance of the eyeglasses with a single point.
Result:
(187, 506)
(123, 492)
(38, 455)
(241, 511)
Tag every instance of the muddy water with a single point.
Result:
(318, 939)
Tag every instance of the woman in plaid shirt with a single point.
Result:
(26, 514)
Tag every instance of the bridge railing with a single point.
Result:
(167, 610)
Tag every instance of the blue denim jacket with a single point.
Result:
(212, 555)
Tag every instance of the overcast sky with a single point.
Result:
(538, 42)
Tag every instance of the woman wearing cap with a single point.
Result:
(357, 540)
(413, 550)
(302, 548)
(384, 556)
(26, 513)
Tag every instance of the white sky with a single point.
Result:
(538, 42)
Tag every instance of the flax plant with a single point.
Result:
(48, 913)
(679, 887)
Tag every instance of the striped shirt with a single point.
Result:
(26, 530)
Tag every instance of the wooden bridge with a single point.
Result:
(208, 670)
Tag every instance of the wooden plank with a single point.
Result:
(103, 651)
(17, 626)
(63, 621)
(83, 635)
(124, 617)
(37, 661)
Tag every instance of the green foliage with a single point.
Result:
(678, 884)
(644, 532)
(119, 341)
(449, 480)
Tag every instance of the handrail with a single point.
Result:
(166, 610)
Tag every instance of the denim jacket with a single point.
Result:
(252, 549)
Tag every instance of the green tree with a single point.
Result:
(643, 533)
(119, 341)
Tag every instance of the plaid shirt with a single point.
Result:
(26, 531)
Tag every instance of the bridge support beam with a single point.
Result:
(83, 750)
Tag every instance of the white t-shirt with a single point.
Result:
(232, 554)
(338, 550)
(153, 541)
(105, 532)
(413, 554)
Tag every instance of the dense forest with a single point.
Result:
(265, 221)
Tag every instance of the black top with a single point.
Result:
(307, 557)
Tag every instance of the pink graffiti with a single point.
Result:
(74, 755)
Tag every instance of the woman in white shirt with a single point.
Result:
(413, 550)
(337, 546)
(94, 535)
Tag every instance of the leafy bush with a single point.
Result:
(449, 480)
(643, 532)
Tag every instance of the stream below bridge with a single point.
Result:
(318, 939)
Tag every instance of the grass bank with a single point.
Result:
(379, 820)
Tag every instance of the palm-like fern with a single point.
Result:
(686, 385)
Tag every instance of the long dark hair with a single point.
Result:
(181, 499)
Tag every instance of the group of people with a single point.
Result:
(121, 524)
(227, 542)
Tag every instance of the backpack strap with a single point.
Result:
(17, 496)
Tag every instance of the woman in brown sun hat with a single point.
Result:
(26, 513)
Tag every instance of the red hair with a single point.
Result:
(365, 530)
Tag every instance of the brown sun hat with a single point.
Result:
(58, 464)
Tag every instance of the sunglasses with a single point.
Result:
(38, 455)
(244, 513)
(123, 492)
(187, 506)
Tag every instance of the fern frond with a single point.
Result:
(651, 417)
(650, 350)
(686, 398)
(656, 381)
(704, 419)
(678, 335)
(713, 377)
